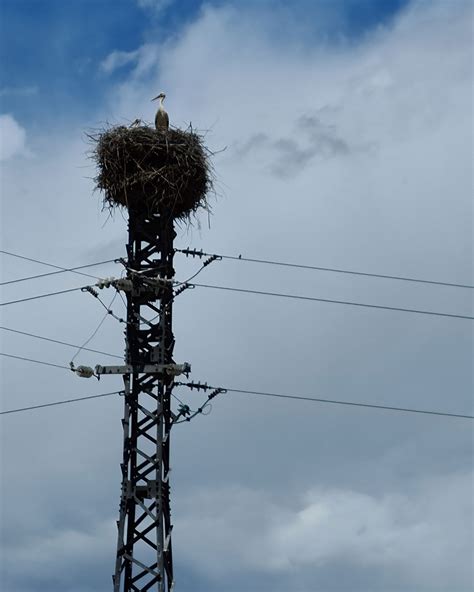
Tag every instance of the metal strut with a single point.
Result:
(144, 554)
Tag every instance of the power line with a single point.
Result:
(245, 259)
(352, 404)
(230, 390)
(268, 394)
(278, 294)
(264, 293)
(42, 275)
(96, 330)
(194, 253)
(41, 296)
(58, 365)
(234, 258)
(61, 269)
(35, 361)
(96, 351)
(346, 302)
(280, 396)
(58, 403)
(207, 262)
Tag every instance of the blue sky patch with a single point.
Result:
(51, 50)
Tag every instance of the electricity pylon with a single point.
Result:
(144, 558)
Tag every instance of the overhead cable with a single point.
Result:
(196, 253)
(346, 302)
(204, 386)
(350, 403)
(35, 361)
(96, 330)
(18, 410)
(41, 296)
(199, 386)
(269, 394)
(96, 351)
(265, 293)
(61, 269)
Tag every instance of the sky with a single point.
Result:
(343, 134)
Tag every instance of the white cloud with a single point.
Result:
(142, 60)
(12, 137)
(19, 91)
(155, 5)
(397, 100)
(118, 59)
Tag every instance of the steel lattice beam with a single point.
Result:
(144, 553)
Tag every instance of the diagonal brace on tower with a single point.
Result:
(144, 558)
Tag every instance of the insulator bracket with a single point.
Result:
(167, 369)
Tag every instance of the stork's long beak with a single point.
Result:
(156, 98)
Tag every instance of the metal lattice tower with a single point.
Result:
(144, 554)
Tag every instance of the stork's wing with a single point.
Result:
(162, 120)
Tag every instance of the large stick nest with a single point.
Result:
(159, 171)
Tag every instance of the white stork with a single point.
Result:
(162, 121)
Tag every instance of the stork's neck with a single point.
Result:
(161, 102)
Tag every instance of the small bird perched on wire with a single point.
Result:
(162, 121)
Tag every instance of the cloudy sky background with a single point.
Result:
(348, 135)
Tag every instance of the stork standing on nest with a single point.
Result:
(162, 121)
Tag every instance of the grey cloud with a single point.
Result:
(295, 154)
(324, 528)
(311, 140)
(255, 142)
(323, 135)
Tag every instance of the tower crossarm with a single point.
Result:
(161, 369)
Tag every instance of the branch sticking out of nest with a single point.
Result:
(159, 171)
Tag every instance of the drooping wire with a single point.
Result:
(122, 299)
(207, 262)
(176, 284)
(187, 414)
(96, 330)
(177, 398)
(196, 253)
(110, 312)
